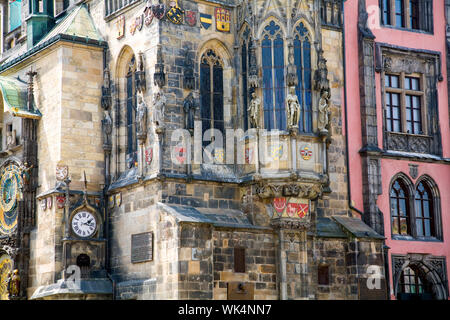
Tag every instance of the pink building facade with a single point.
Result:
(398, 135)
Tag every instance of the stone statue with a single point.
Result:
(14, 284)
(25, 169)
(107, 129)
(293, 109)
(253, 109)
(292, 77)
(106, 90)
(159, 104)
(189, 111)
(141, 116)
(323, 111)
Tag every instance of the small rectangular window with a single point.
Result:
(323, 276)
(239, 260)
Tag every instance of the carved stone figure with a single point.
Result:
(189, 80)
(253, 109)
(159, 104)
(159, 77)
(14, 284)
(293, 109)
(323, 119)
(106, 129)
(141, 117)
(106, 90)
(292, 78)
(140, 74)
(189, 111)
(321, 74)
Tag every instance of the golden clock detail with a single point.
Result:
(6, 266)
(10, 188)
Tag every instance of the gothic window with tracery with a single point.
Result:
(273, 77)
(211, 92)
(302, 58)
(424, 211)
(399, 209)
(131, 113)
(245, 64)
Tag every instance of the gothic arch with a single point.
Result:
(266, 21)
(438, 284)
(405, 179)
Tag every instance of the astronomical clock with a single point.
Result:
(11, 189)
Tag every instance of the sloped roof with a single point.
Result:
(77, 23)
(15, 97)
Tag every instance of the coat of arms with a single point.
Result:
(276, 151)
(222, 19)
(205, 20)
(60, 202)
(279, 204)
(175, 13)
(219, 155)
(139, 21)
(159, 10)
(149, 156)
(249, 155)
(43, 204)
(148, 14)
(50, 202)
(298, 208)
(120, 25)
(306, 153)
(111, 201)
(118, 198)
(62, 172)
(191, 18)
(180, 154)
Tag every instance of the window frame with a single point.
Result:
(424, 19)
(403, 93)
(130, 110)
(434, 204)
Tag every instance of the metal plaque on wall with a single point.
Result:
(241, 291)
(142, 247)
(375, 293)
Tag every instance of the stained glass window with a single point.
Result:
(211, 92)
(273, 77)
(302, 58)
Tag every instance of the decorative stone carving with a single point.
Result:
(141, 117)
(277, 190)
(323, 119)
(264, 191)
(159, 77)
(292, 109)
(362, 20)
(408, 143)
(189, 111)
(387, 64)
(291, 190)
(107, 130)
(292, 77)
(106, 100)
(413, 170)
(321, 82)
(254, 109)
(30, 91)
(189, 80)
(159, 105)
(141, 84)
(253, 78)
(295, 224)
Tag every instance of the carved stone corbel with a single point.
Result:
(253, 78)
(141, 84)
(189, 80)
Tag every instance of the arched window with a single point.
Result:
(424, 211)
(400, 220)
(413, 282)
(211, 92)
(245, 64)
(302, 58)
(273, 77)
(131, 114)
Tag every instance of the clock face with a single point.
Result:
(84, 224)
(10, 183)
